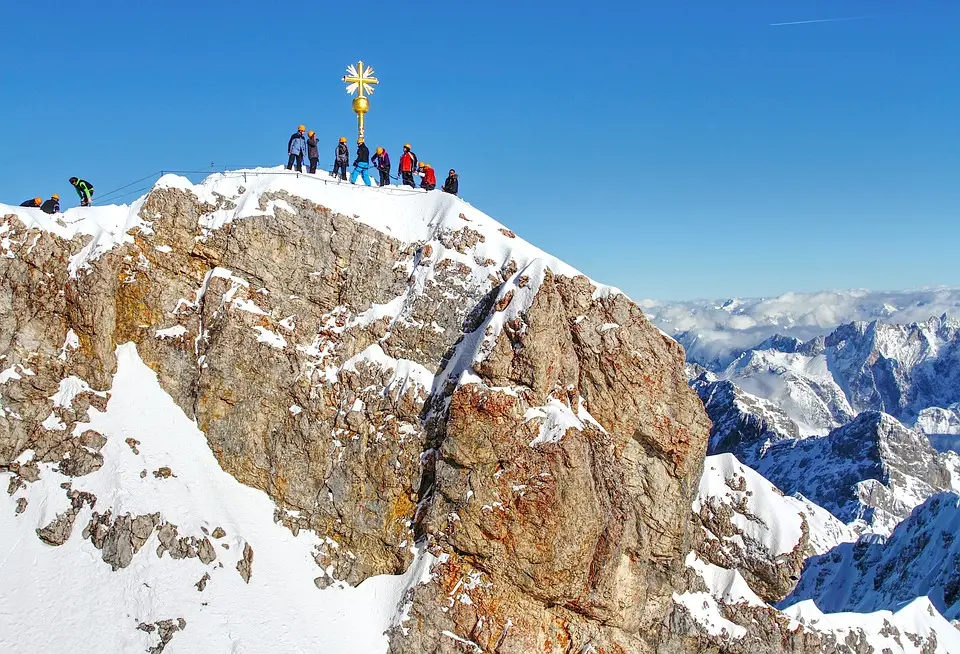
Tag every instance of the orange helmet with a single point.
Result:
(343, 139)
(311, 133)
(38, 200)
(301, 128)
(379, 150)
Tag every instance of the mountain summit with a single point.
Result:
(271, 412)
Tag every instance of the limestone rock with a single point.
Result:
(120, 538)
(245, 564)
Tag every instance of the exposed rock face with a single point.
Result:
(591, 519)
(453, 387)
(322, 357)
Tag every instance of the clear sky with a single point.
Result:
(675, 149)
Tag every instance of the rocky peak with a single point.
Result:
(388, 369)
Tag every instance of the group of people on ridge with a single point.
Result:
(303, 144)
(83, 188)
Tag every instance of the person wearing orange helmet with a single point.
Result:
(342, 157)
(296, 148)
(52, 205)
(429, 175)
(382, 162)
(33, 203)
(408, 165)
(313, 152)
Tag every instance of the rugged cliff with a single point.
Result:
(274, 412)
(391, 369)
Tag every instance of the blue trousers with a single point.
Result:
(361, 169)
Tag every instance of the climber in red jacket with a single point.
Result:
(429, 175)
(408, 166)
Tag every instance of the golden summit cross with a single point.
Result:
(360, 80)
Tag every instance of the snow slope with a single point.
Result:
(920, 559)
(766, 520)
(280, 609)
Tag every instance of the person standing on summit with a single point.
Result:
(313, 151)
(382, 161)
(343, 156)
(362, 163)
(296, 148)
(408, 165)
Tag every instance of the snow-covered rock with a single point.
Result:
(920, 559)
(911, 372)
(750, 526)
(388, 370)
(742, 424)
(870, 473)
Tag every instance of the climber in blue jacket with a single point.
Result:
(297, 149)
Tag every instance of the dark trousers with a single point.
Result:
(408, 178)
(340, 167)
(313, 164)
(384, 177)
(428, 187)
(299, 159)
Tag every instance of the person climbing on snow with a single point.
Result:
(52, 205)
(296, 148)
(429, 181)
(84, 189)
(313, 152)
(343, 156)
(33, 203)
(452, 183)
(362, 163)
(382, 162)
(408, 165)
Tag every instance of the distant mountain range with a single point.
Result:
(715, 332)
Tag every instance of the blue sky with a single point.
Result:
(675, 149)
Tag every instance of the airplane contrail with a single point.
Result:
(819, 20)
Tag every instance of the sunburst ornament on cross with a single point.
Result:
(360, 80)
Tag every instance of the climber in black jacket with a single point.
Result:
(452, 183)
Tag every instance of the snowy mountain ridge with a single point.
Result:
(368, 419)
(714, 332)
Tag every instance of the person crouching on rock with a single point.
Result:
(429, 181)
(382, 162)
(52, 205)
(362, 163)
(296, 148)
